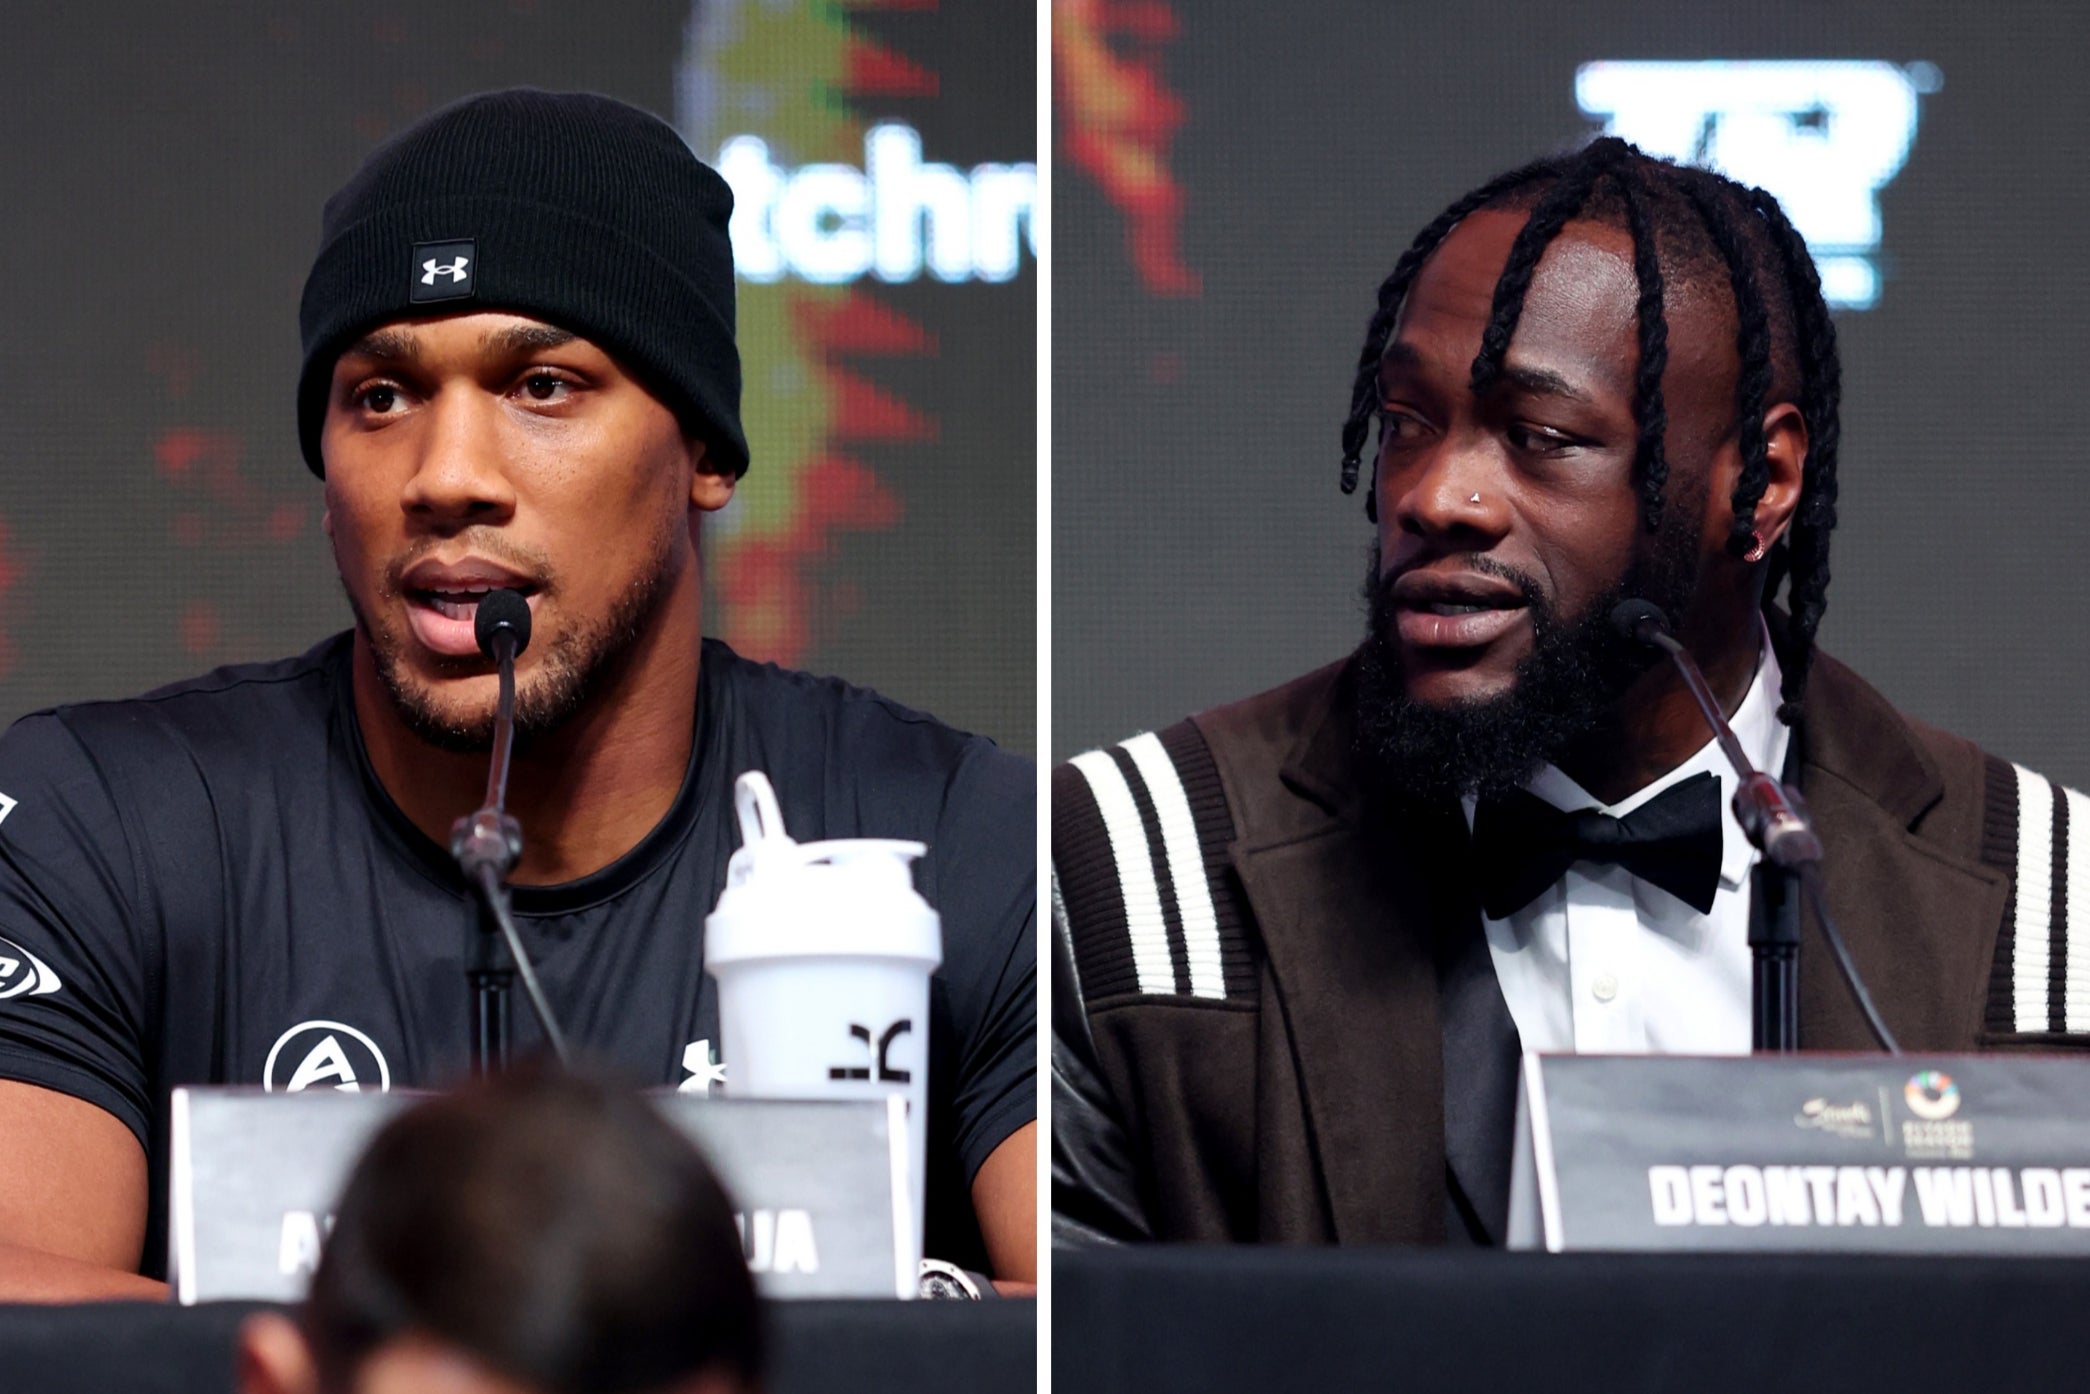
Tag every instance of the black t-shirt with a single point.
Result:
(208, 885)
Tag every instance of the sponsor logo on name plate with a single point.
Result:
(1934, 1131)
(1853, 1120)
(1931, 1094)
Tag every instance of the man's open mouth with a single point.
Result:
(458, 604)
(1457, 610)
(442, 600)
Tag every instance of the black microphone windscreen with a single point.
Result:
(1639, 619)
(502, 610)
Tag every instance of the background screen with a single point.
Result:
(1236, 178)
(165, 168)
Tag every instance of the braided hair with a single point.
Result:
(1687, 225)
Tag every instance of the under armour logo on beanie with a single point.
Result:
(442, 271)
(581, 211)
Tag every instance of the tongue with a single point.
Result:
(456, 607)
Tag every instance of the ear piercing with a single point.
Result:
(1755, 552)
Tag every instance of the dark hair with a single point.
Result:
(559, 1230)
(1688, 226)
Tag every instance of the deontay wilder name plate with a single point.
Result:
(1941, 1154)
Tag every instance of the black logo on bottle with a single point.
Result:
(882, 1049)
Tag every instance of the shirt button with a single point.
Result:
(1604, 988)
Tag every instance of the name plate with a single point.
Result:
(1957, 1154)
(254, 1178)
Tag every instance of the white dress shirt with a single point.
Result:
(1604, 962)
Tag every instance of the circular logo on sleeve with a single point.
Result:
(23, 974)
(325, 1055)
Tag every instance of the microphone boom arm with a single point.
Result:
(487, 844)
(1775, 820)
(1770, 816)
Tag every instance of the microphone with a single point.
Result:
(1639, 620)
(502, 627)
(502, 613)
(1775, 820)
(488, 843)
(1760, 803)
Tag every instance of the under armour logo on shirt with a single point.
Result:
(444, 270)
(704, 1068)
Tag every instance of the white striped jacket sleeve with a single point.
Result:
(2039, 831)
(1140, 838)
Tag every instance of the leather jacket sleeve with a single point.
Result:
(1096, 1191)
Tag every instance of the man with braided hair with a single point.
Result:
(1302, 939)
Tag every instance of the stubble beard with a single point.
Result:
(1420, 753)
(575, 665)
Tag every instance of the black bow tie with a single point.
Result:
(1522, 844)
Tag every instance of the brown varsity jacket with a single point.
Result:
(1275, 1017)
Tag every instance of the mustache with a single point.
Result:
(1478, 562)
(482, 542)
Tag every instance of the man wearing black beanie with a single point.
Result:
(519, 373)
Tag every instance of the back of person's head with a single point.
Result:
(542, 1233)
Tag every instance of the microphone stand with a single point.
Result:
(487, 844)
(1775, 820)
(1771, 820)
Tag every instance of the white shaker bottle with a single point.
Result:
(823, 951)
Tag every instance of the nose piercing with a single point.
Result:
(1474, 499)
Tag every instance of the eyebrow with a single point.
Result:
(1541, 382)
(388, 344)
(525, 338)
(397, 346)
(1536, 382)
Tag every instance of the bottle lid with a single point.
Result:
(851, 897)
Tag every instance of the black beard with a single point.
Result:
(579, 662)
(1564, 688)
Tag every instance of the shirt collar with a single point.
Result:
(1764, 740)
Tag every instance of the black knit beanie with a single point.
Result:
(570, 208)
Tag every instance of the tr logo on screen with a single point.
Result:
(1824, 137)
(882, 1050)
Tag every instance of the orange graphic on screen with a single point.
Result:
(215, 504)
(1118, 119)
(795, 75)
(12, 570)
